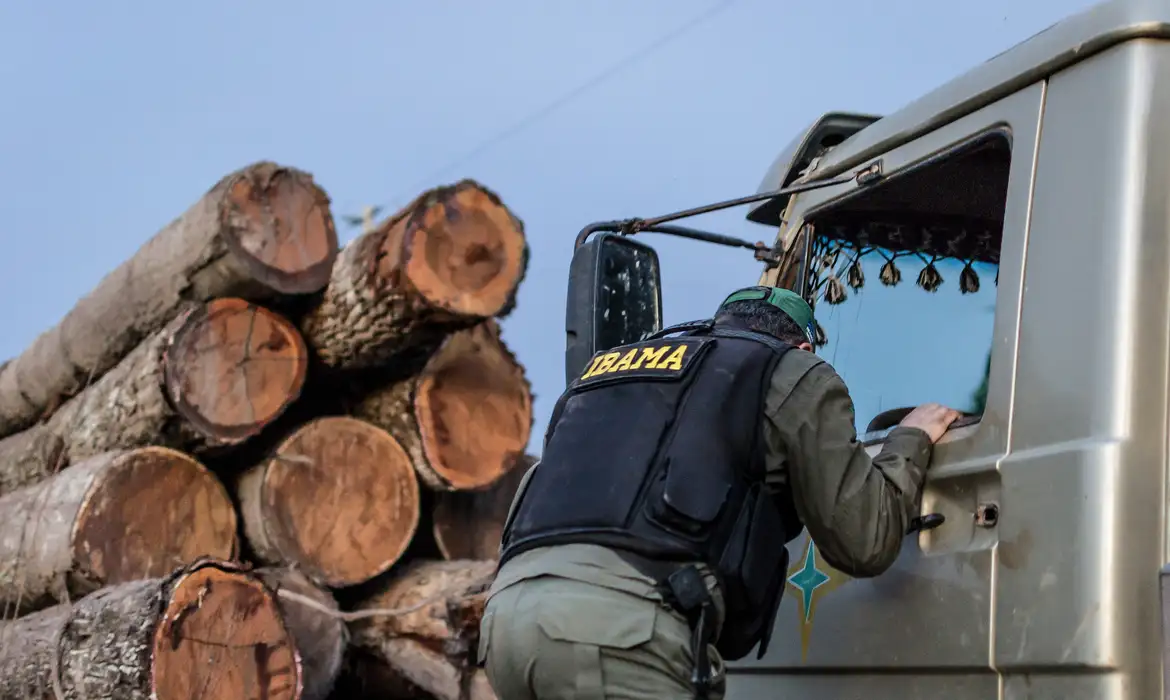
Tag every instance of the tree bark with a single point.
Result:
(338, 499)
(434, 646)
(314, 620)
(117, 517)
(470, 524)
(211, 631)
(449, 260)
(211, 378)
(259, 232)
(465, 418)
(365, 677)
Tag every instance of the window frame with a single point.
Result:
(955, 150)
(1018, 116)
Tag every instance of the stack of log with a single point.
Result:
(252, 463)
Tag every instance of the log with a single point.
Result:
(470, 524)
(365, 677)
(117, 517)
(452, 258)
(213, 377)
(465, 418)
(432, 647)
(211, 631)
(262, 231)
(368, 677)
(315, 622)
(337, 499)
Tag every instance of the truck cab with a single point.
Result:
(1011, 260)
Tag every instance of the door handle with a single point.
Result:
(922, 523)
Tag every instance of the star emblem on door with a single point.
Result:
(811, 578)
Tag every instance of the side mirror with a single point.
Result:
(614, 298)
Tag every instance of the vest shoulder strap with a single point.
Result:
(776, 344)
(690, 326)
(707, 327)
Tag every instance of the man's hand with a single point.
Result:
(931, 418)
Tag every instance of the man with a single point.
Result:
(647, 545)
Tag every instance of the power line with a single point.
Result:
(537, 115)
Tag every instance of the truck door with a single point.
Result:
(917, 284)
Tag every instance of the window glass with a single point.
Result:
(903, 280)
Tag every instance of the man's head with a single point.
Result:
(780, 313)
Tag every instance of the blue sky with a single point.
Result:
(116, 116)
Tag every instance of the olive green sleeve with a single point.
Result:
(856, 509)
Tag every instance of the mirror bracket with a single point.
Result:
(589, 326)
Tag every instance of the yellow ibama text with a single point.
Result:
(638, 358)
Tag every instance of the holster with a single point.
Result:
(686, 591)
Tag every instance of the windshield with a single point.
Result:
(903, 281)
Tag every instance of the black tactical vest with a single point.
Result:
(657, 449)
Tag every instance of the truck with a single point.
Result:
(1000, 245)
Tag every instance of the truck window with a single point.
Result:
(903, 280)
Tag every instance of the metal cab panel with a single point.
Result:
(1061, 598)
(1072, 40)
(891, 622)
(1086, 473)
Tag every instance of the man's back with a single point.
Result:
(585, 616)
(803, 392)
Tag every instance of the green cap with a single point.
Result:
(786, 300)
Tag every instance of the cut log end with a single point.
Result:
(474, 410)
(465, 252)
(341, 500)
(279, 224)
(155, 510)
(222, 636)
(233, 368)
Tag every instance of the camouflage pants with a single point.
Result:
(551, 639)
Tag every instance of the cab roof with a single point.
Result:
(1067, 42)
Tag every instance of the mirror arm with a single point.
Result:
(629, 227)
(698, 235)
(626, 228)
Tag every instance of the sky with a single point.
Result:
(117, 116)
